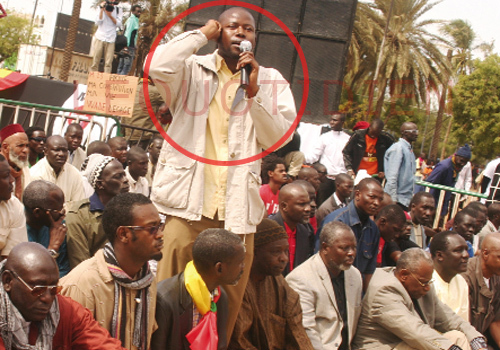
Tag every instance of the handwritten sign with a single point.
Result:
(111, 94)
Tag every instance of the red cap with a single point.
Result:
(361, 125)
(10, 130)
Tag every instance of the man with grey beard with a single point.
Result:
(14, 147)
(330, 289)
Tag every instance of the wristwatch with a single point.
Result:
(53, 253)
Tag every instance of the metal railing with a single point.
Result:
(31, 114)
(471, 196)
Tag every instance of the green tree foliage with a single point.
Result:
(462, 36)
(476, 108)
(410, 58)
(15, 30)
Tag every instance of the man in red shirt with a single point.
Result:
(366, 150)
(274, 173)
(294, 213)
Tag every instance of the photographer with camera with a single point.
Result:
(110, 17)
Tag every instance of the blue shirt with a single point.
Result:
(442, 174)
(367, 236)
(470, 249)
(400, 167)
(42, 236)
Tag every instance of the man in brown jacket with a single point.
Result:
(270, 316)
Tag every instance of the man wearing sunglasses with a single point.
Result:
(117, 284)
(36, 136)
(34, 316)
(400, 310)
(400, 166)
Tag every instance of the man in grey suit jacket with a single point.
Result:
(401, 311)
(330, 289)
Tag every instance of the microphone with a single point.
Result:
(245, 46)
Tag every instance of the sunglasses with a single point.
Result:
(153, 230)
(37, 291)
(38, 139)
(426, 284)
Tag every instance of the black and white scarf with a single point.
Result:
(143, 299)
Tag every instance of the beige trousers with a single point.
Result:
(294, 161)
(108, 49)
(179, 236)
(456, 337)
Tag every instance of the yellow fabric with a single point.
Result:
(4, 72)
(216, 144)
(197, 288)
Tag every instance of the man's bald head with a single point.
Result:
(51, 140)
(30, 264)
(118, 148)
(490, 255)
(30, 256)
(408, 126)
(491, 241)
(226, 15)
(295, 204)
(310, 175)
(290, 191)
(56, 152)
(74, 127)
(306, 173)
(368, 183)
(99, 147)
(115, 141)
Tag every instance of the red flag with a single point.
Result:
(204, 336)
(10, 79)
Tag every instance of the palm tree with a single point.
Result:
(153, 20)
(462, 38)
(70, 40)
(410, 57)
(460, 55)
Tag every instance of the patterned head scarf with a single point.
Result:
(93, 166)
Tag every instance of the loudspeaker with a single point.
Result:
(323, 29)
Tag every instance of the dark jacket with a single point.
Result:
(442, 174)
(305, 242)
(484, 302)
(355, 148)
(174, 315)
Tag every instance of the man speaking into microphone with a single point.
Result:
(217, 118)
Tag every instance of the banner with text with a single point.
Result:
(111, 94)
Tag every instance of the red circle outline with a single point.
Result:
(305, 91)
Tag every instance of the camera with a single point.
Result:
(110, 5)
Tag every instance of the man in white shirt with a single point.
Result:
(12, 219)
(110, 17)
(450, 257)
(137, 168)
(74, 136)
(53, 168)
(328, 150)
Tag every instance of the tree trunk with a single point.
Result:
(70, 40)
(445, 142)
(439, 118)
(439, 122)
(380, 101)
